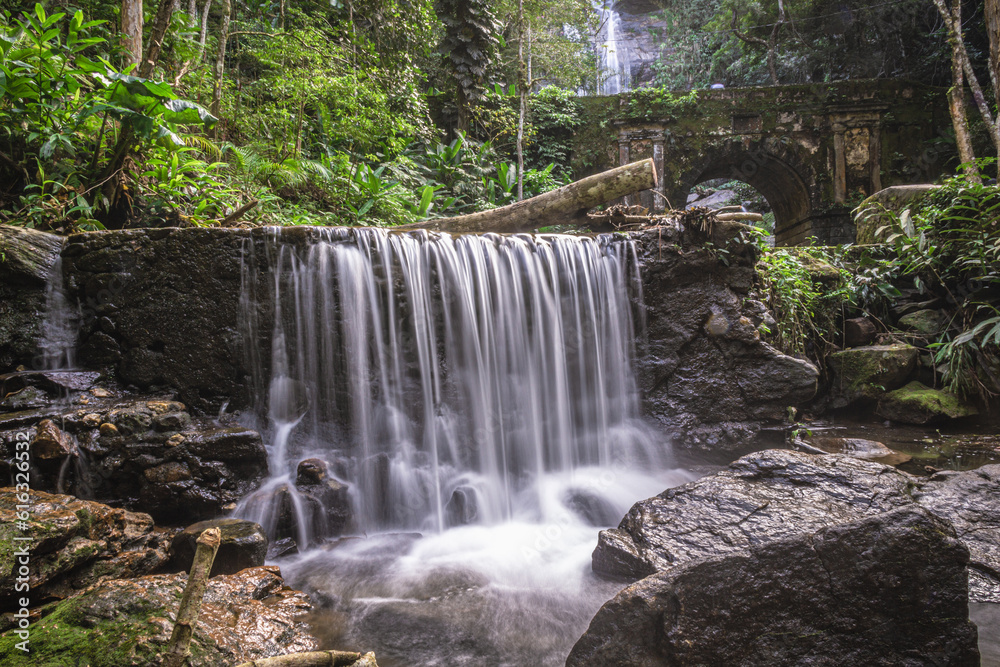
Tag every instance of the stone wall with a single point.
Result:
(162, 309)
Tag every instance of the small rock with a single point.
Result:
(310, 471)
(92, 420)
(172, 421)
(100, 392)
(286, 546)
(131, 420)
(243, 545)
(173, 471)
(928, 322)
(163, 407)
(51, 443)
(109, 430)
(717, 325)
(858, 331)
(175, 440)
(918, 404)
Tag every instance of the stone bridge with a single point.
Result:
(813, 151)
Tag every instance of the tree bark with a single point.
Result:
(220, 59)
(566, 205)
(187, 613)
(522, 97)
(955, 33)
(132, 29)
(956, 100)
(160, 25)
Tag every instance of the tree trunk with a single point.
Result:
(956, 101)
(992, 11)
(522, 96)
(132, 30)
(955, 33)
(566, 205)
(187, 613)
(160, 25)
(220, 60)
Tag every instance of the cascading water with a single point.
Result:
(615, 74)
(57, 346)
(477, 389)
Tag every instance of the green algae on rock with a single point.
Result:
(917, 403)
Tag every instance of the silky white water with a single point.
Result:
(476, 395)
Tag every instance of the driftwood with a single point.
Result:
(310, 659)
(566, 205)
(739, 217)
(187, 614)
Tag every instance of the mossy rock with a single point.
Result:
(927, 322)
(864, 374)
(882, 210)
(917, 403)
(124, 622)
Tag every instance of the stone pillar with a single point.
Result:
(839, 165)
(623, 159)
(659, 201)
(875, 157)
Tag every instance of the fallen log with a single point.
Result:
(567, 205)
(187, 614)
(310, 659)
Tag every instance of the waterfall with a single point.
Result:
(441, 377)
(615, 75)
(475, 394)
(60, 324)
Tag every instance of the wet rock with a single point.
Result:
(760, 498)
(462, 508)
(246, 616)
(172, 421)
(880, 591)
(243, 545)
(328, 503)
(858, 331)
(24, 399)
(703, 371)
(74, 543)
(591, 507)
(860, 448)
(970, 500)
(50, 443)
(928, 322)
(863, 374)
(286, 546)
(310, 471)
(918, 404)
(131, 420)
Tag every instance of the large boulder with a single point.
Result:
(762, 497)
(73, 544)
(886, 590)
(704, 373)
(864, 374)
(919, 404)
(246, 616)
(970, 500)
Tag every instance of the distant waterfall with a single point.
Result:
(443, 376)
(614, 60)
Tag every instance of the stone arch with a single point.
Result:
(771, 167)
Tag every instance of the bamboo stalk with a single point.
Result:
(310, 659)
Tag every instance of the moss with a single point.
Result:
(71, 636)
(917, 403)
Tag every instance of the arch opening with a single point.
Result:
(780, 183)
